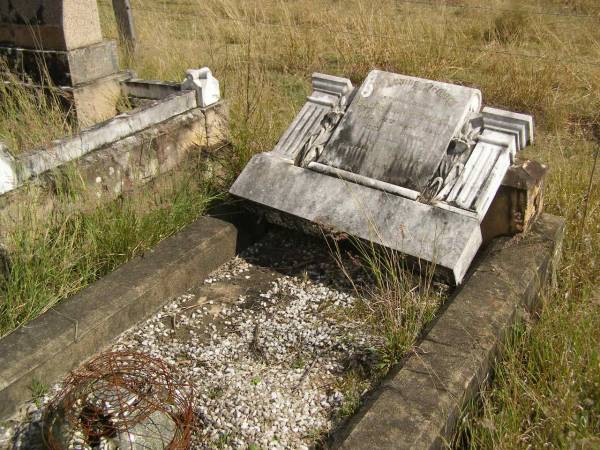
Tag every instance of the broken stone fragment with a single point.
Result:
(206, 86)
(154, 433)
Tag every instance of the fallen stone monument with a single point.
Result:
(407, 163)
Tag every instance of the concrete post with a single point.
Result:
(124, 17)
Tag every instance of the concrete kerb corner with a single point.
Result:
(418, 404)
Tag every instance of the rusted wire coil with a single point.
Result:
(121, 400)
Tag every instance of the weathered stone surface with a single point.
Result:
(34, 163)
(417, 406)
(208, 91)
(64, 67)
(518, 203)
(125, 24)
(50, 24)
(8, 175)
(117, 168)
(398, 128)
(417, 148)
(154, 433)
(97, 102)
(216, 119)
(393, 221)
(328, 92)
(150, 89)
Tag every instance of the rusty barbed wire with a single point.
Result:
(124, 400)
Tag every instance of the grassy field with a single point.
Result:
(546, 390)
(540, 57)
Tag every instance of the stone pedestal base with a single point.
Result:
(88, 75)
(97, 101)
(64, 67)
(518, 203)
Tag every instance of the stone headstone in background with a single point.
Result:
(56, 25)
(62, 40)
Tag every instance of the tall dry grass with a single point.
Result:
(54, 257)
(263, 51)
(31, 115)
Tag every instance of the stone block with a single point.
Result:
(34, 163)
(8, 174)
(150, 89)
(50, 24)
(97, 101)
(216, 119)
(64, 67)
(204, 84)
(393, 221)
(518, 203)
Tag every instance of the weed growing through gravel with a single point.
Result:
(38, 391)
(397, 302)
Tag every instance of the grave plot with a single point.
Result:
(410, 165)
(276, 348)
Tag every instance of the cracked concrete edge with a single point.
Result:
(61, 339)
(418, 404)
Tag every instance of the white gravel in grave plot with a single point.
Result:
(266, 351)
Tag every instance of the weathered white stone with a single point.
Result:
(408, 163)
(328, 93)
(510, 122)
(34, 163)
(8, 176)
(206, 86)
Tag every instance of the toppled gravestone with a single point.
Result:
(407, 163)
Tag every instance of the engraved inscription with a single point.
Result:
(400, 132)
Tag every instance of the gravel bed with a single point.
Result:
(266, 341)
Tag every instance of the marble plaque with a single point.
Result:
(397, 128)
